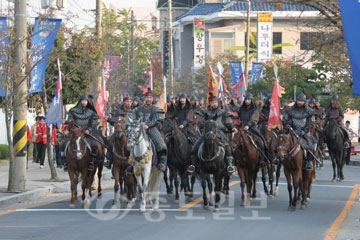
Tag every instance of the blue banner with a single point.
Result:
(44, 34)
(4, 44)
(350, 10)
(256, 71)
(236, 70)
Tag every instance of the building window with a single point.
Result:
(309, 40)
(277, 39)
(220, 42)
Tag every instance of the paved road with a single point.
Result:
(330, 203)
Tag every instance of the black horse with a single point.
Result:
(179, 148)
(211, 161)
(335, 141)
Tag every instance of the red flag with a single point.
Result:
(239, 89)
(213, 85)
(101, 104)
(274, 117)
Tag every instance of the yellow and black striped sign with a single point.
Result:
(19, 138)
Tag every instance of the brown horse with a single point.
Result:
(291, 155)
(120, 156)
(78, 157)
(270, 136)
(247, 163)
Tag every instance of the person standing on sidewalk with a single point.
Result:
(41, 140)
(351, 134)
(33, 140)
(55, 143)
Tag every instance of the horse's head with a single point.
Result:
(77, 142)
(133, 132)
(282, 143)
(119, 126)
(168, 125)
(210, 130)
(332, 129)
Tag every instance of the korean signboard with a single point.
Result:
(199, 43)
(264, 36)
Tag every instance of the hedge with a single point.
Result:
(4, 151)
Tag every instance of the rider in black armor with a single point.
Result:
(185, 118)
(150, 116)
(249, 115)
(299, 119)
(122, 110)
(84, 115)
(223, 122)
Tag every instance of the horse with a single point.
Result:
(247, 163)
(211, 156)
(78, 155)
(318, 132)
(270, 136)
(335, 142)
(147, 175)
(119, 153)
(179, 148)
(291, 155)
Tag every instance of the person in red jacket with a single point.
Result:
(41, 140)
(55, 143)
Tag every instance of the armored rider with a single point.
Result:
(185, 118)
(122, 110)
(84, 115)
(223, 122)
(249, 116)
(299, 118)
(151, 117)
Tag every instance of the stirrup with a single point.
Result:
(191, 169)
(262, 164)
(275, 162)
(230, 169)
(346, 145)
(91, 167)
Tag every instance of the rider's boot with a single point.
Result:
(109, 159)
(276, 161)
(346, 144)
(162, 159)
(230, 164)
(262, 163)
(63, 160)
(92, 160)
(191, 168)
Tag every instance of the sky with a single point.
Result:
(76, 9)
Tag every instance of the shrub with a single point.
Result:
(4, 151)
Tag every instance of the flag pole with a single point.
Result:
(61, 97)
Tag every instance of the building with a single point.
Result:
(225, 27)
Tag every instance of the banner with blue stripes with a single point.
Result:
(4, 46)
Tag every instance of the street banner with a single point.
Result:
(44, 34)
(349, 10)
(256, 71)
(100, 106)
(199, 43)
(239, 87)
(55, 112)
(274, 116)
(4, 52)
(213, 85)
(264, 36)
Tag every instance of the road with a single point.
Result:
(265, 219)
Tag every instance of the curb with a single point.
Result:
(26, 196)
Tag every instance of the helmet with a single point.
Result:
(312, 100)
(168, 98)
(84, 97)
(136, 98)
(249, 96)
(301, 97)
(182, 95)
(193, 98)
(335, 97)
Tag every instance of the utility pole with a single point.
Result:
(247, 42)
(98, 81)
(17, 170)
(171, 64)
(132, 49)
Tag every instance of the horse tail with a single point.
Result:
(138, 170)
(155, 175)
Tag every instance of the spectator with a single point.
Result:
(41, 140)
(55, 143)
(33, 140)
(351, 134)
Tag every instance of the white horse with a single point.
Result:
(141, 153)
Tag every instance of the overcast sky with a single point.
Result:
(76, 7)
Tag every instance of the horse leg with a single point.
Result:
(145, 193)
(210, 188)
(167, 183)
(205, 199)
(289, 186)
(116, 184)
(333, 163)
(99, 174)
(271, 180)
(277, 175)
(192, 181)
(157, 188)
(73, 187)
(242, 185)
(218, 181)
(263, 178)
(176, 182)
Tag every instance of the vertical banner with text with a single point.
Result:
(264, 36)
(44, 34)
(199, 43)
(166, 52)
(4, 44)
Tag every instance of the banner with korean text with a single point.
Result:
(349, 10)
(44, 34)
(4, 44)
(199, 43)
(264, 36)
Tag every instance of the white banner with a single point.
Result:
(264, 36)
(199, 43)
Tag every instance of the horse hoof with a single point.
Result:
(72, 205)
(307, 200)
(206, 206)
(176, 201)
(99, 196)
(303, 206)
(333, 180)
(271, 196)
(216, 210)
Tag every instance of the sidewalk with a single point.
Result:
(38, 184)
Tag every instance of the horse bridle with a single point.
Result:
(74, 151)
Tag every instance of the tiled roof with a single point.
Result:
(208, 8)
(203, 9)
(177, 3)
